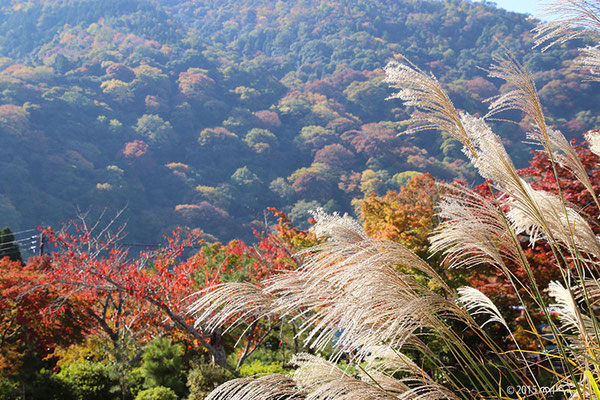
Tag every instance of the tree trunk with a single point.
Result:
(219, 355)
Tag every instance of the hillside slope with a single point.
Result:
(202, 113)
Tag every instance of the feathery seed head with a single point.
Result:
(593, 139)
(478, 303)
(424, 92)
(566, 20)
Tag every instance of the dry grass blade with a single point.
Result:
(566, 20)
(269, 387)
(229, 304)
(478, 303)
(424, 92)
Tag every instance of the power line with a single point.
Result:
(26, 230)
(30, 238)
(140, 244)
(154, 245)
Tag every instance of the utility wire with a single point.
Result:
(31, 238)
(154, 245)
(26, 230)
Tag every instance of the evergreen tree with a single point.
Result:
(8, 246)
(163, 365)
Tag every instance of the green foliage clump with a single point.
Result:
(89, 380)
(41, 385)
(163, 365)
(205, 378)
(261, 141)
(157, 393)
(155, 129)
(9, 390)
(258, 367)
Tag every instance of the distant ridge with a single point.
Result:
(203, 113)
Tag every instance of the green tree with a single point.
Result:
(163, 365)
(261, 141)
(8, 246)
(243, 177)
(314, 137)
(154, 128)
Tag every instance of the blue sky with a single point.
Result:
(522, 6)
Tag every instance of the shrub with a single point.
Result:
(9, 390)
(257, 367)
(89, 380)
(157, 393)
(205, 378)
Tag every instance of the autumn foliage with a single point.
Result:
(407, 216)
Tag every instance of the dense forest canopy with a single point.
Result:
(202, 113)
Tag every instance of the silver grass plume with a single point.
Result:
(478, 303)
(345, 230)
(589, 61)
(532, 211)
(385, 305)
(588, 291)
(385, 358)
(337, 228)
(325, 381)
(382, 306)
(383, 362)
(269, 387)
(495, 165)
(593, 139)
(566, 20)
(386, 382)
(591, 291)
(566, 308)
(424, 92)
(490, 157)
(558, 222)
(567, 158)
(523, 97)
(229, 304)
(322, 380)
(473, 231)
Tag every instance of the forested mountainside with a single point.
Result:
(203, 113)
